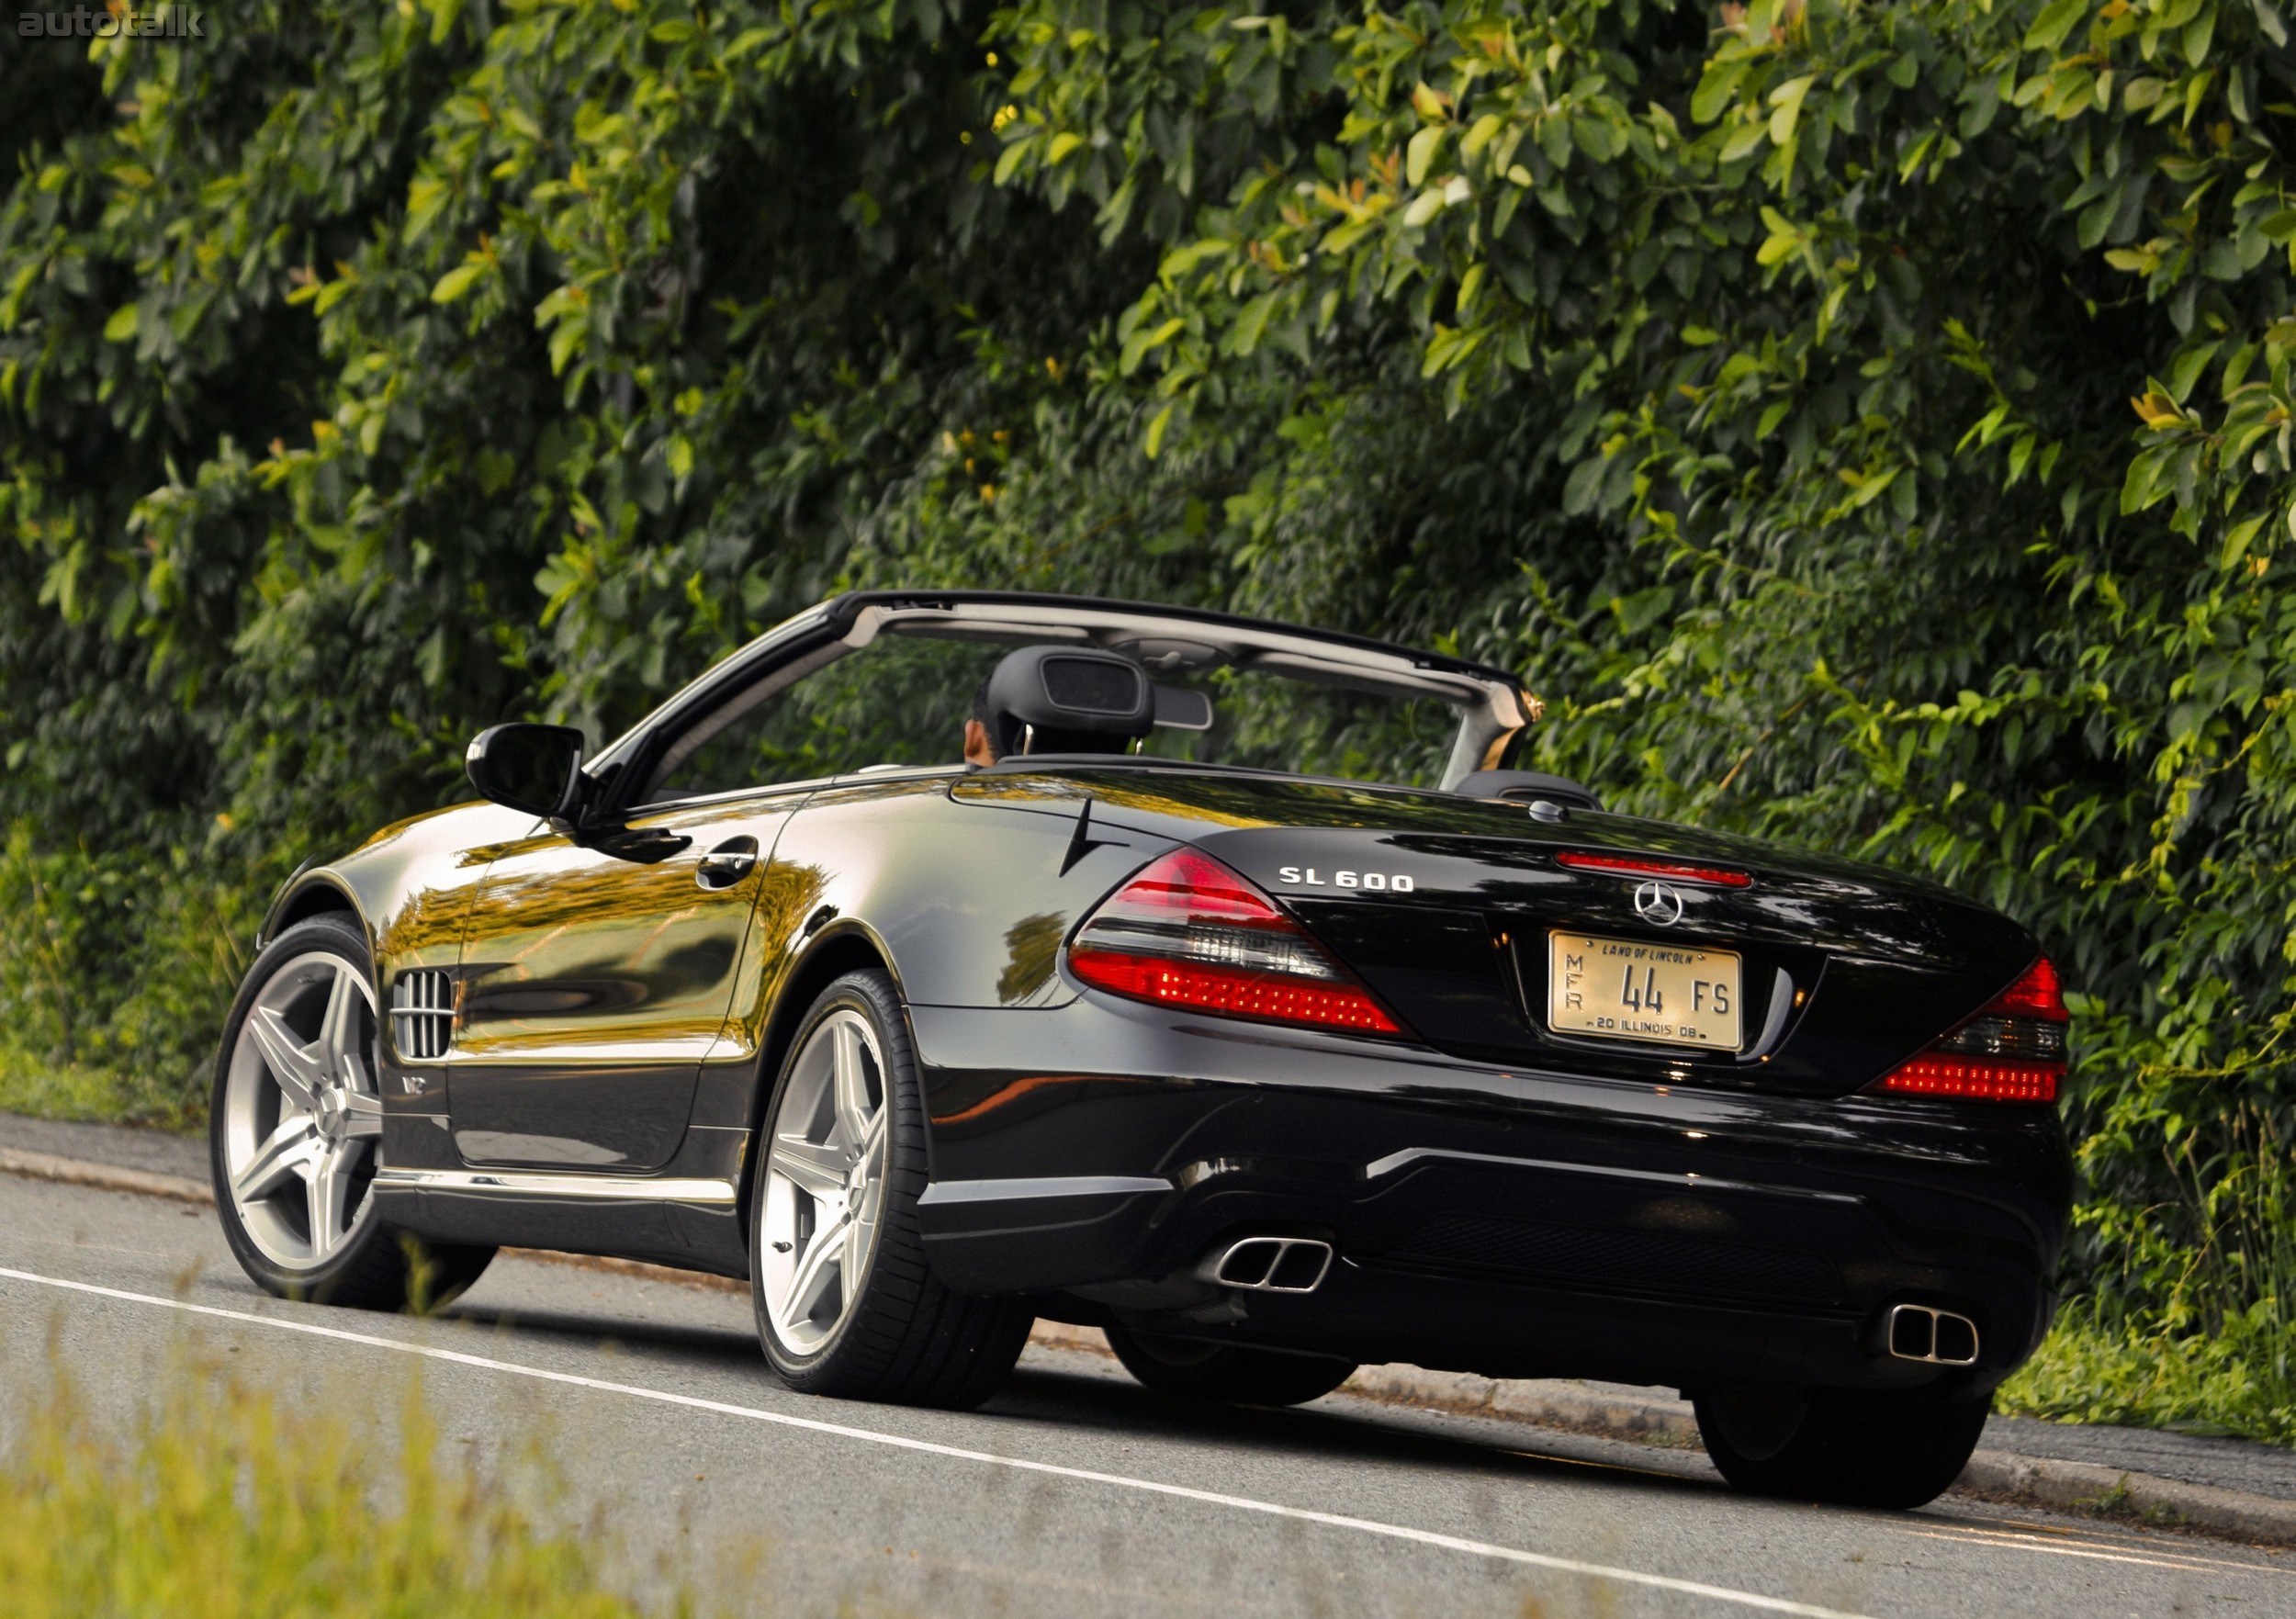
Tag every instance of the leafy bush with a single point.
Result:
(2200, 1337)
(86, 1037)
(1758, 378)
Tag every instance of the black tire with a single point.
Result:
(1850, 1447)
(903, 1337)
(1192, 1369)
(377, 1266)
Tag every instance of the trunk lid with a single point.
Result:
(1446, 905)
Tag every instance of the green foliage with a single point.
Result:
(2224, 1306)
(1760, 379)
(222, 1502)
(2231, 1381)
(85, 1038)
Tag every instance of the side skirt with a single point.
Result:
(690, 1224)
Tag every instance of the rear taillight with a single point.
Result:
(2011, 1052)
(1188, 932)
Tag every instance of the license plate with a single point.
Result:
(1630, 989)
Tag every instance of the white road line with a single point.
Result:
(2051, 1538)
(2180, 1565)
(1721, 1593)
(2092, 1549)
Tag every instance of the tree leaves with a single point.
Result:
(456, 282)
(2055, 21)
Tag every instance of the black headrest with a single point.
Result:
(1069, 699)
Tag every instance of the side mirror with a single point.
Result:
(537, 769)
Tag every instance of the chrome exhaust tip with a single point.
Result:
(1269, 1265)
(1918, 1332)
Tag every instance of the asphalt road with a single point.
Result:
(1075, 1492)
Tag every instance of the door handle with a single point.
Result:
(726, 864)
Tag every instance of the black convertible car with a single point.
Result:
(944, 960)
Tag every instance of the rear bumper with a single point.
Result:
(1507, 1221)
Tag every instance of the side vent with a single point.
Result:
(423, 1015)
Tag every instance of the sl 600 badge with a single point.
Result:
(1305, 877)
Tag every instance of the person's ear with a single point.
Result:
(977, 751)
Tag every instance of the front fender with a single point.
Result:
(410, 884)
(310, 889)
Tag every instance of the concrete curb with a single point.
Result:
(74, 1172)
(631, 1268)
(1570, 1407)
(2080, 1487)
(2088, 1490)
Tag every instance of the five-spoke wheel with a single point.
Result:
(846, 1303)
(825, 1181)
(300, 1115)
(296, 1130)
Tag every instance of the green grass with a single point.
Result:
(219, 1503)
(47, 1089)
(2234, 1380)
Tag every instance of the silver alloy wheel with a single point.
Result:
(301, 1114)
(825, 1181)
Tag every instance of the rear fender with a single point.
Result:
(964, 905)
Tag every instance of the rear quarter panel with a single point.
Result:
(967, 902)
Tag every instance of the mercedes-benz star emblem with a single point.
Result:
(1655, 902)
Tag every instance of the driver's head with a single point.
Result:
(980, 731)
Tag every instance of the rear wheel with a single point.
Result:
(1853, 1448)
(294, 1128)
(1193, 1369)
(846, 1304)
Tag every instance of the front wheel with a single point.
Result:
(1852, 1447)
(846, 1304)
(295, 1123)
(1196, 1370)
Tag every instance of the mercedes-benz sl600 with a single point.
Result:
(943, 961)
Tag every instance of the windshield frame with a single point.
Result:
(1494, 708)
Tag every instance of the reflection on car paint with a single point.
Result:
(597, 985)
(1032, 949)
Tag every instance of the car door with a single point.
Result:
(595, 984)
(594, 987)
